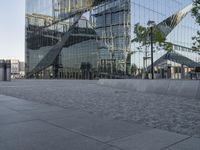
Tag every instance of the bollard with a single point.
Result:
(5, 70)
(2, 70)
(8, 70)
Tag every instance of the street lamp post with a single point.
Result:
(152, 65)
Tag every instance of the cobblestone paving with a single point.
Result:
(181, 115)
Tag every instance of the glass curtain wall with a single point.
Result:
(112, 24)
(46, 26)
(143, 11)
(100, 44)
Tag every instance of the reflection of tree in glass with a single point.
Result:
(196, 14)
(143, 36)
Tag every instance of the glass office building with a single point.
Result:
(94, 47)
(113, 26)
(180, 36)
(86, 39)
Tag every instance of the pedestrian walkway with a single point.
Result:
(26, 125)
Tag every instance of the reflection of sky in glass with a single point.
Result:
(39, 6)
(142, 11)
(157, 10)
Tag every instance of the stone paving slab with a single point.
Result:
(33, 126)
(190, 144)
(6, 111)
(29, 106)
(55, 140)
(14, 102)
(5, 98)
(54, 114)
(45, 108)
(18, 132)
(171, 113)
(13, 118)
(149, 140)
(2, 146)
(10, 98)
(20, 105)
(23, 129)
(99, 128)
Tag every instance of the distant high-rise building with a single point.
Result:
(17, 68)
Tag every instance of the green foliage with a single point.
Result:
(196, 14)
(196, 44)
(143, 36)
(196, 10)
(134, 69)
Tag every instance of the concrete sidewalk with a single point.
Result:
(26, 125)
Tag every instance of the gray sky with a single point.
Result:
(12, 27)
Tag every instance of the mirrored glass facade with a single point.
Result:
(86, 39)
(143, 11)
(95, 47)
(113, 26)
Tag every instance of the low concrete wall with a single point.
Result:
(183, 88)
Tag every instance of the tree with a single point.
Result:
(196, 15)
(134, 69)
(86, 69)
(151, 36)
(143, 35)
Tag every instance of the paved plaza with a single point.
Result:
(83, 115)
